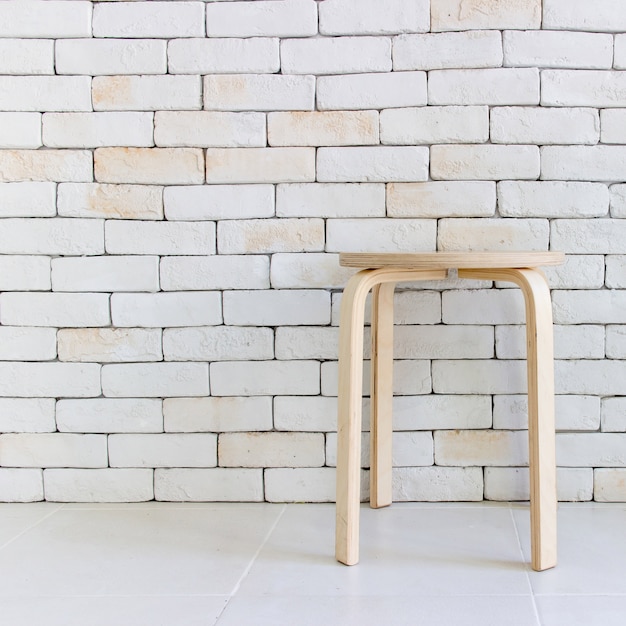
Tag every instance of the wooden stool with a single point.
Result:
(381, 272)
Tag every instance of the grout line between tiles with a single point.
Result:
(30, 527)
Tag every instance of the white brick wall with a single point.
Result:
(178, 178)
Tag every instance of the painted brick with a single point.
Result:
(163, 450)
(155, 380)
(46, 165)
(53, 450)
(166, 309)
(438, 51)
(609, 485)
(557, 49)
(493, 234)
(441, 199)
(552, 199)
(619, 61)
(570, 342)
(381, 235)
(96, 57)
(613, 415)
(591, 449)
(411, 378)
(271, 450)
(616, 271)
(217, 56)
(437, 484)
(21, 485)
(20, 130)
(57, 236)
(259, 92)
(277, 307)
(45, 93)
(314, 413)
(223, 272)
(28, 199)
(23, 272)
(109, 345)
(109, 415)
(443, 342)
(603, 15)
(302, 484)
(260, 165)
(264, 18)
(105, 273)
(307, 342)
(270, 235)
(476, 162)
(613, 122)
(480, 306)
(372, 91)
(599, 236)
(209, 129)
(618, 200)
(218, 202)
(146, 93)
(149, 19)
(474, 14)
(372, 164)
(544, 126)
(479, 376)
(149, 165)
(92, 130)
(98, 485)
(208, 485)
(571, 412)
(428, 125)
(476, 447)
(311, 270)
(498, 86)
(217, 415)
(330, 200)
(582, 88)
(580, 271)
(24, 56)
(604, 378)
(338, 17)
(18, 343)
(49, 380)
(222, 343)
(589, 307)
(513, 483)
(55, 309)
(323, 128)
(27, 415)
(262, 378)
(616, 341)
(45, 19)
(335, 55)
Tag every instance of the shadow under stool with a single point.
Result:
(379, 273)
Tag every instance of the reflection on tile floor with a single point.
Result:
(162, 564)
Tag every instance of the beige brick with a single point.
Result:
(271, 450)
(441, 199)
(209, 129)
(437, 484)
(46, 165)
(168, 166)
(260, 165)
(140, 202)
(609, 485)
(270, 235)
(109, 345)
(323, 128)
(217, 415)
(481, 447)
(487, 162)
(475, 14)
(309, 270)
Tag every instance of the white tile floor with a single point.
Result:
(159, 564)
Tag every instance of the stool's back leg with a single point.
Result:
(381, 428)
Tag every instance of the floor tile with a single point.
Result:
(582, 610)
(150, 551)
(591, 551)
(16, 518)
(403, 551)
(377, 610)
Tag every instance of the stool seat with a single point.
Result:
(379, 273)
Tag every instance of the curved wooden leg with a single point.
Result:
(381, 428)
